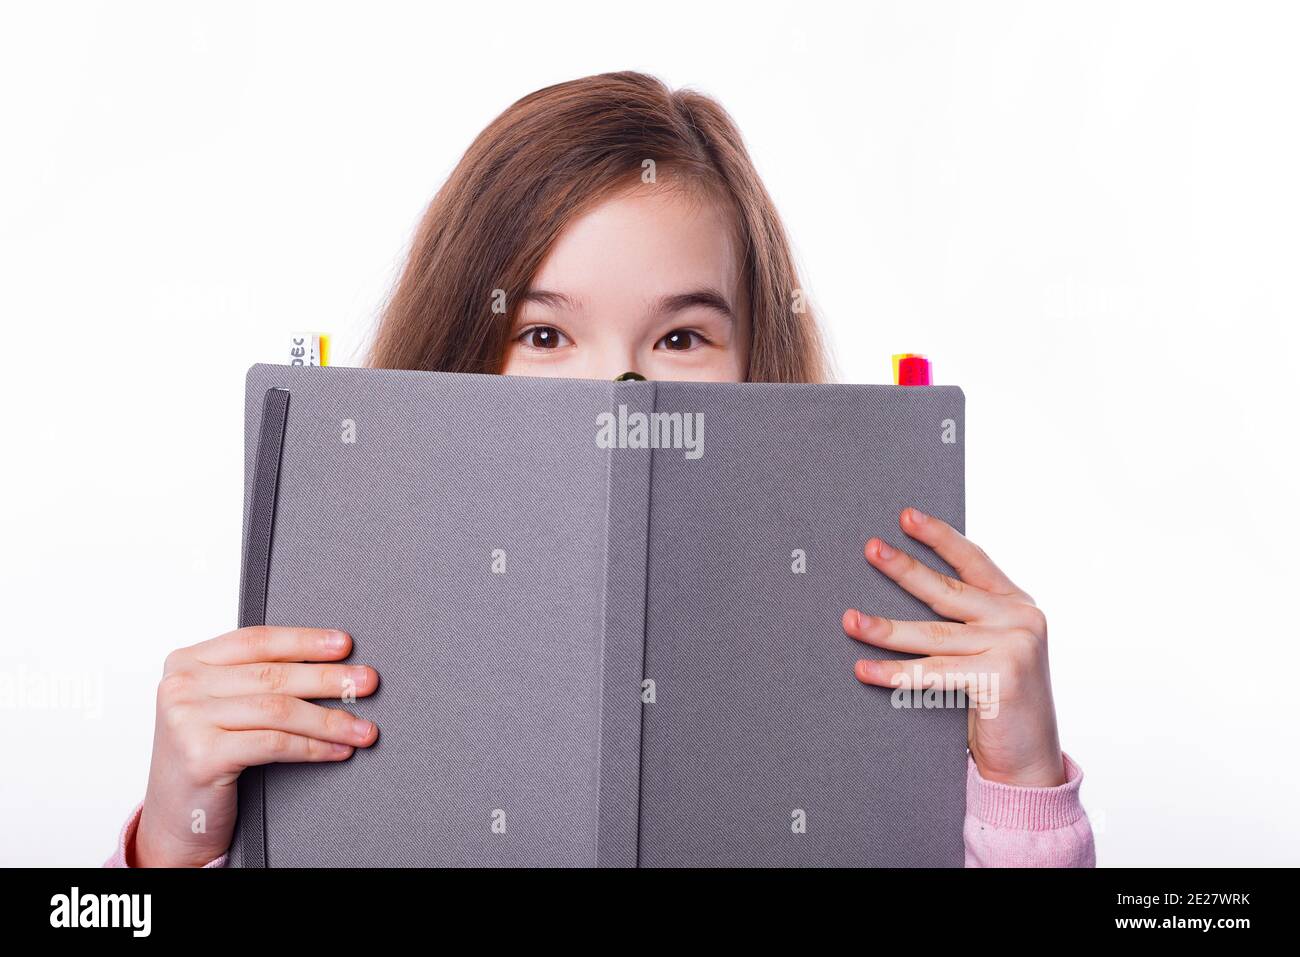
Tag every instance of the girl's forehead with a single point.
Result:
(647, 241)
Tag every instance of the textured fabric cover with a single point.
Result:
(758, 714)
(515, 696)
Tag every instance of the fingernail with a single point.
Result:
(852, 618)
(862, 669)
(335, 640)
(864, 621)
(918, 517)
(340, 749)
(884, 551)
(359, 674)
(361, 729)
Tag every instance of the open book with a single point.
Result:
(605, 616)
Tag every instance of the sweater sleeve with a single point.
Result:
(1010, 826)
(126, 839)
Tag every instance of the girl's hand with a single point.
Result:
(995, 650)
(231, 703)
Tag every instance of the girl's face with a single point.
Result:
(648, 282)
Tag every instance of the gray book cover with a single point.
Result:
(606, 619)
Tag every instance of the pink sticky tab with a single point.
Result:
(914, 370)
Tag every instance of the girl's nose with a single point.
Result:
(615, 363)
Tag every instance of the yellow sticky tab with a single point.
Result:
(899, 357)
(324, 350)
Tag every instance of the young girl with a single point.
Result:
(597, 227)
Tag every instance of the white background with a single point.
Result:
(1085, 213)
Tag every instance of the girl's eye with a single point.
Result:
(543, 337)
(679, 340)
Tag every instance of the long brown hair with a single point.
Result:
(549, 157)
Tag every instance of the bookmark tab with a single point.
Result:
(309, 349)
(912, 368)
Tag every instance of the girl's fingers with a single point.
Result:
(246, 749)
(273, 643)
(290, 678)
(967, 558)
(956, 673)
(278, 712)
(948, 597)
(918, 637)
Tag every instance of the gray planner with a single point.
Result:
(606, 619)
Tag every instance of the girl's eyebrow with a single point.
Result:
(704, 297)
(697, 298)
(545, 297)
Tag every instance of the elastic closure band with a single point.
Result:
(252, 597)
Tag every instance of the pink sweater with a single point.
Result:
(1005, 826)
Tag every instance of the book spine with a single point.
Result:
(623, 648)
